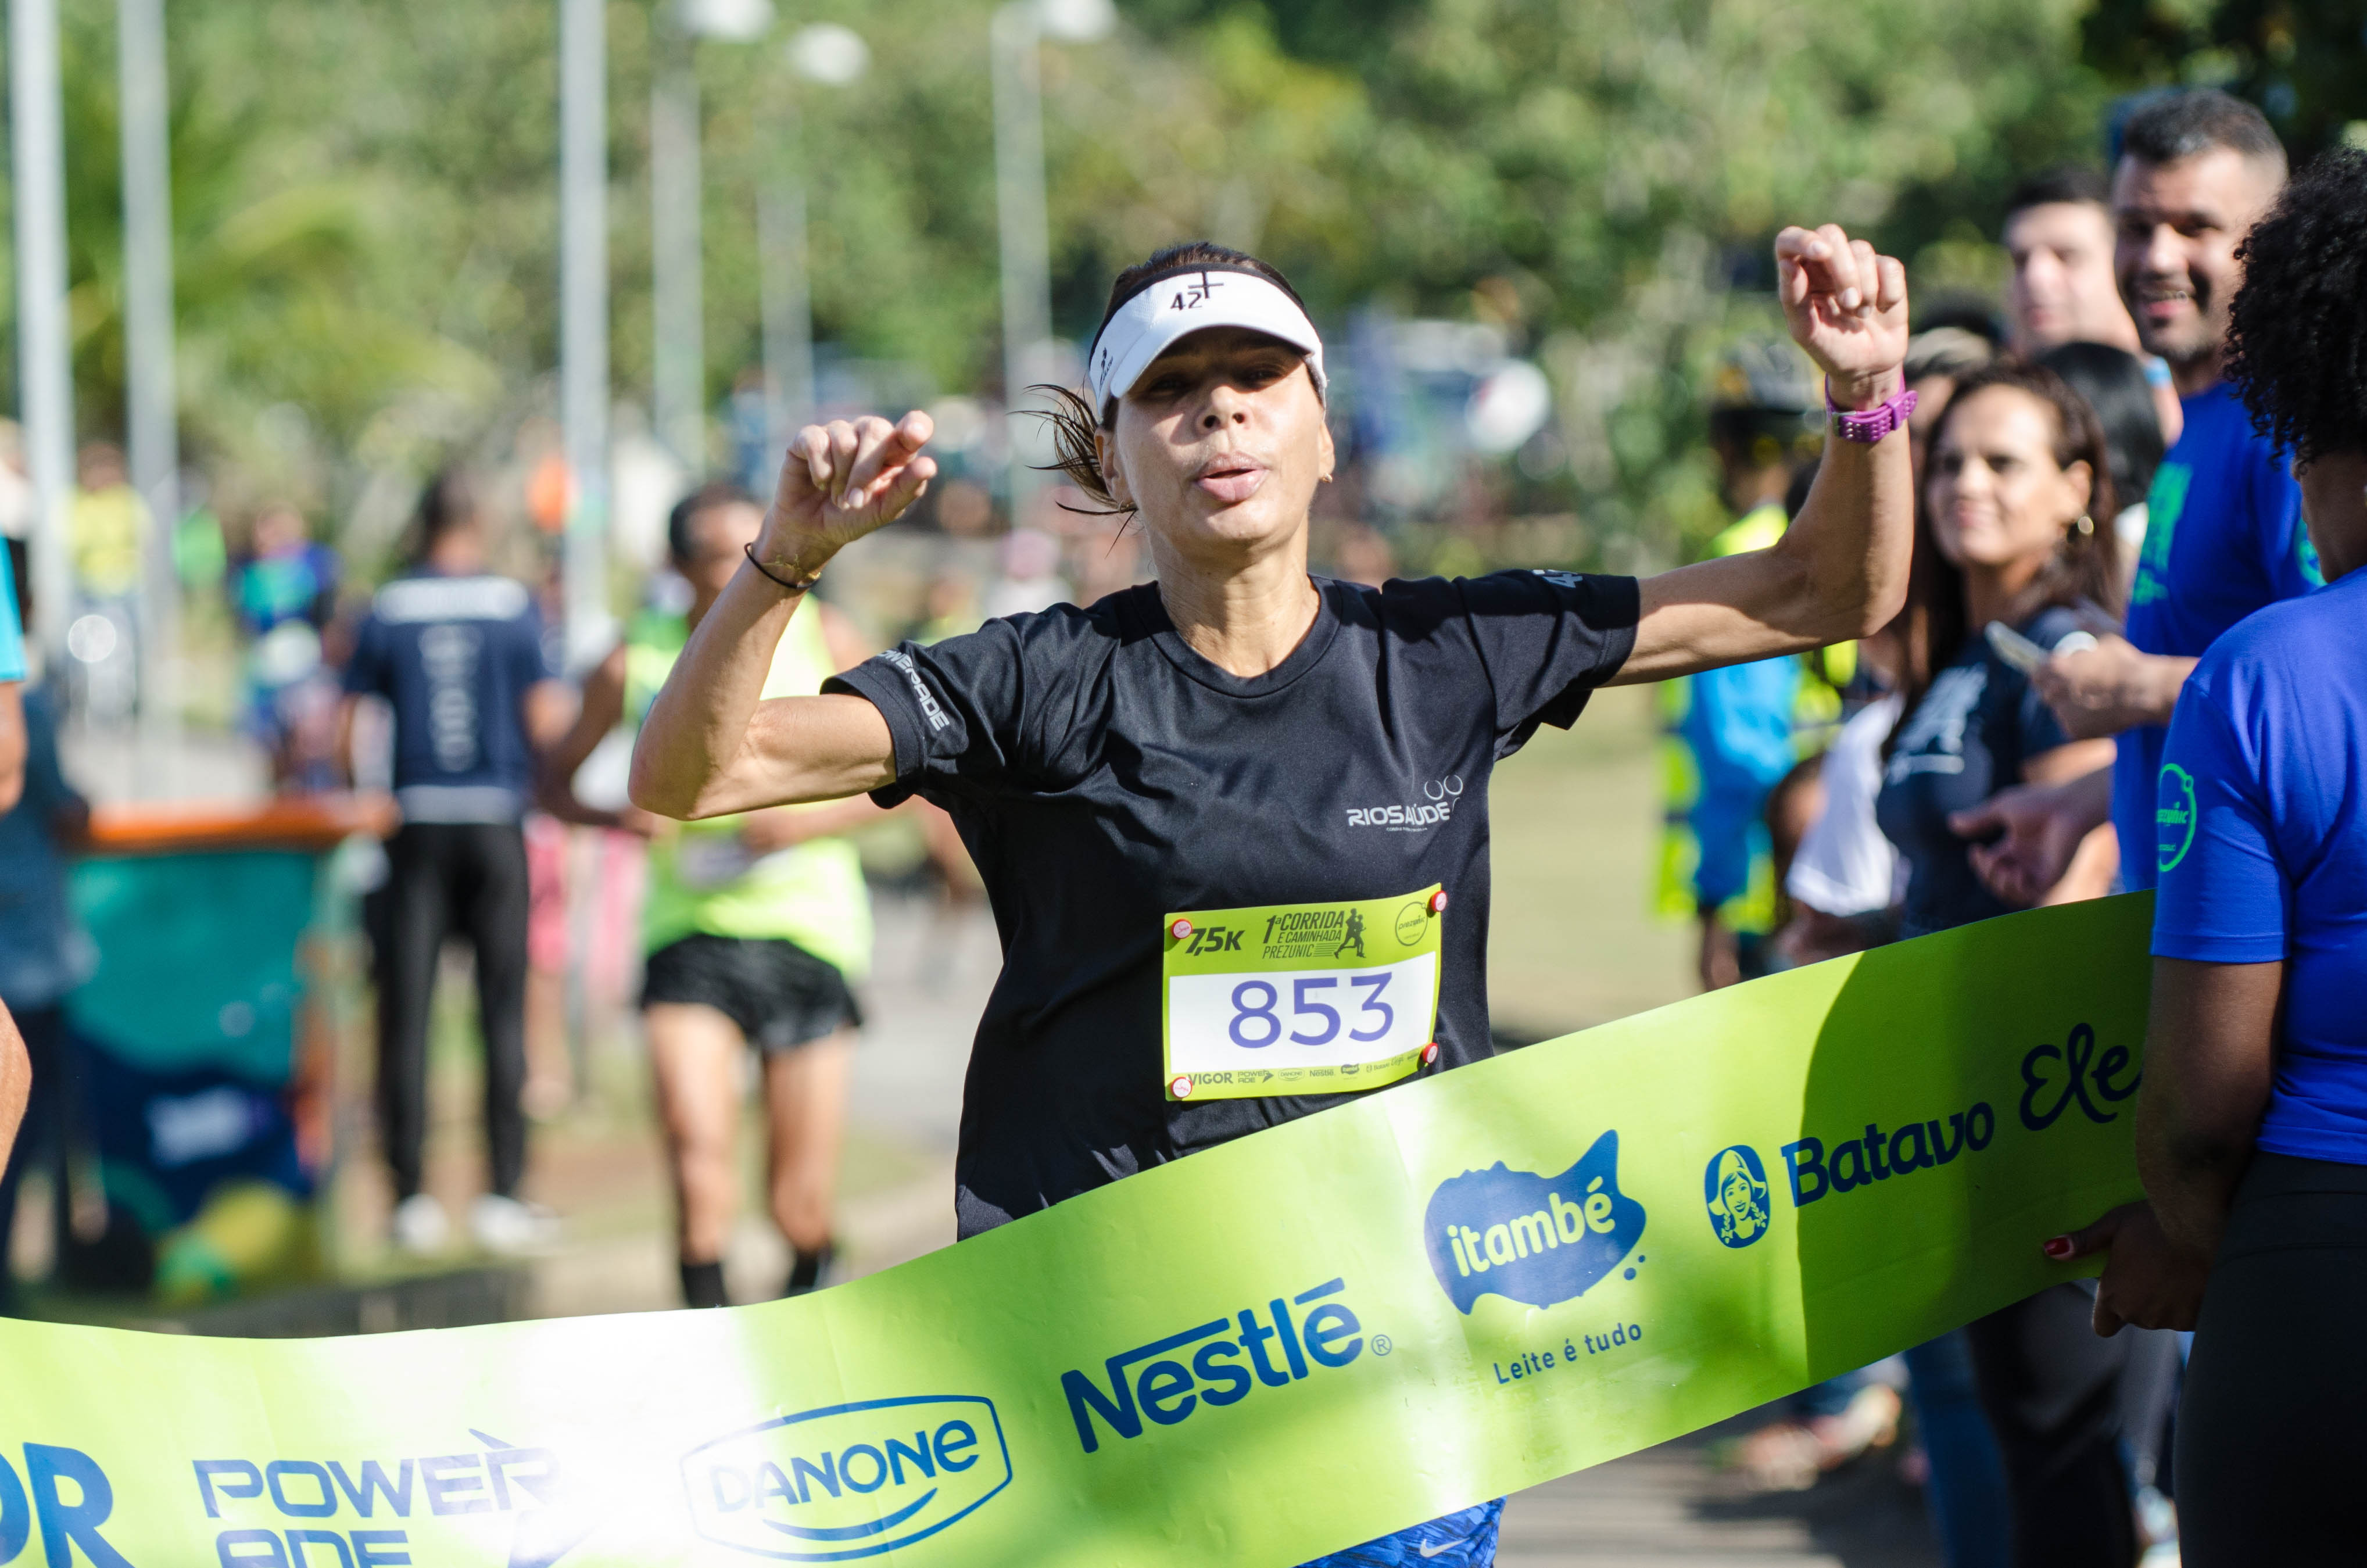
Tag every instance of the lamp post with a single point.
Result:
(1013, 41)
(831, 56)
(152, 409)
(45, 364)
(583, 315)
(678, 392)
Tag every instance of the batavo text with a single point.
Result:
(1168, 1391)
(1879, 1155)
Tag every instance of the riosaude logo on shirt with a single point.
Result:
(1413, 816)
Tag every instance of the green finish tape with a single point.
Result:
(1404, 1305)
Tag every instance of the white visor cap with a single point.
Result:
(1185, 299)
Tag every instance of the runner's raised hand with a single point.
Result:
(841, 480)
(1845, 305)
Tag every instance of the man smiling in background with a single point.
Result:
(2224, 537)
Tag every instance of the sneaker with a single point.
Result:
(506, 1227)
(421, 1227)
(811, 1271)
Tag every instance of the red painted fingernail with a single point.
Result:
(2060, 1247)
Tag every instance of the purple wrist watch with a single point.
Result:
(1869, 425)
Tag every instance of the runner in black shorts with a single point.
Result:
(1241, 736)
(755, 926)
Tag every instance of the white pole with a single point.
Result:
(584, 312)
(788, 304)
(45, 363)
(1020, 210)
(679, 368)
(151, 405)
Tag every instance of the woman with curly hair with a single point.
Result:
(2252, 1122)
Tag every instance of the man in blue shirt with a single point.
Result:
(458, 654)
(2251, 1130)
(2224, 535)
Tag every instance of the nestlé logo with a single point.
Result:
(1532, 1238)
(1155, 1380)
(848, 1480)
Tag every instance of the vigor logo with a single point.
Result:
(1532, 1238)
(849, 1481)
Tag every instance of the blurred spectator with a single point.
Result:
(951, 608)
(12, 678)
(1936, 360)
(15, 1072)
(2114, 384)
(16, 489)
(43, 952)
(1362, 554)
(106, 526)
(284, 595)
(965, 511)
(16, 1084)
(1730, 730)
(2059, 232)
(756, 926)
(458, 655)
(1843, 879)
(1029, 578)
(200, 554)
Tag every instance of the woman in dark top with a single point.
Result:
(2008, 532)
(1238, 735)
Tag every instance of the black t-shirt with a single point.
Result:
(1966, 741)
(1104, 774)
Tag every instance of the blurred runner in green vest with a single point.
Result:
(756, 927)
(1734, 733)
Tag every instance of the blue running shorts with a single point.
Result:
(1466, 1540)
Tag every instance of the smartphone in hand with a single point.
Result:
(2025, 655)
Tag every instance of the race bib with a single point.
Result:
(1299, 998)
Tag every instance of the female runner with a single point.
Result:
(1240, 734)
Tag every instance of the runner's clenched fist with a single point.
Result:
(839, 482)
(1847, 306)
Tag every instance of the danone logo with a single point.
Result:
(850, 1480)
(1532, 1238)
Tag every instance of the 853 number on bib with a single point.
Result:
(1300, 999)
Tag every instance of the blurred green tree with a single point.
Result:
(2304, 62)
(368, 217)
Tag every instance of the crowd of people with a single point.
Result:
(2004, 621)
(2083, 544)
